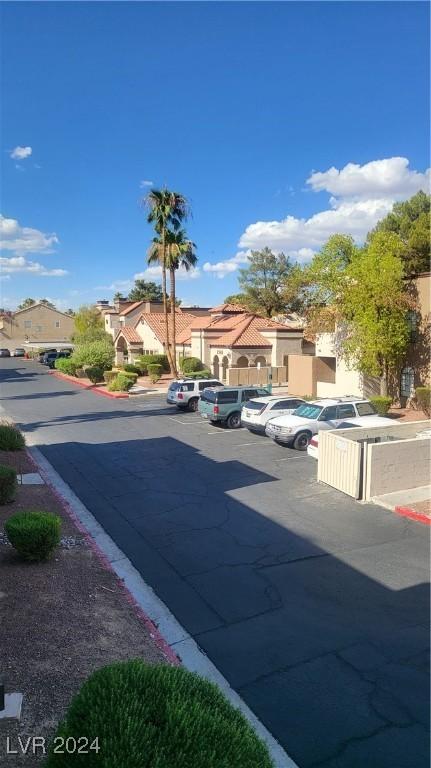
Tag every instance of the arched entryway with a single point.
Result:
(216, 366)
(260, 359)
(225, 366)
(120, 350)
(242, 362)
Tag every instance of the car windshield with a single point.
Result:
(254, 405)
(308, 411)
(365, 409)
(175, 386)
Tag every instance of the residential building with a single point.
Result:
(37, 324)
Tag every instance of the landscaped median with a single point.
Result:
(100, 685)
(85, 383)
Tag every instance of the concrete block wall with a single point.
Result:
(397, 466)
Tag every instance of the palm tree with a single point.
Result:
(180, 253)
(167, 209)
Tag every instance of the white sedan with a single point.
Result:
(360, 421)
(257, 411)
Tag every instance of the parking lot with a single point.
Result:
(314, 607)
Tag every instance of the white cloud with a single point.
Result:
(22, 240)
(20, 153)
(155, 273)
(145, 183)
(389, 178)
(18, 264)
(226, 267)
(361, 195)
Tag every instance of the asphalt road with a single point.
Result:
(315, 608)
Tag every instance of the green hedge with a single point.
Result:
(423, 396)
(157, 716)
(189, 364)
(11, 438)
(143, 360)
(95, 374)
(33, 534)
(154, 372)
(129, 368)
(110, 376)
(99, 354)
(130, 375)
(381, 403)
(65, 365)
(120, 384)
(8, 484)
(204, 374)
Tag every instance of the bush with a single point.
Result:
(98, 354)
(94, 373)
(130, 375)
(204, 374)
(189, 364)
(11, 438)
(8, 484)
(144, 360)
(156, 716)
(65, 365)
(154, 372)
(120, 384)
(423, 396)
(110, 376)
(33, 534)
(381, 403)
(129, 368)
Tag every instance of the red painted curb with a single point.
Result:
(410, 513)
(92, 387)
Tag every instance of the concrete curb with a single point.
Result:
(89, 387)
(167, 631)
(412, 515)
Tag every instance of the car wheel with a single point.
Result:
(193, 404)
(234, 420)
(301, 441)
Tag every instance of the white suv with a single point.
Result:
(185, 393)
(297, 430)
(257, 411)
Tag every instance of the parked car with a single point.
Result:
(4, 353)
(360, 421)
(185, 393)
(19, 352)
(45, 352)
(50, 358)
(257, 411)
(224, 405)
(297, 429)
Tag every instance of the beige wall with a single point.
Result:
(35, 324)
(397, 466)
(243, 376)
(347, 382)
(302, 373)
(150, 341)
(283, 344)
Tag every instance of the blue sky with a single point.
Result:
(281, 122)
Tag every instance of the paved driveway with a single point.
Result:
(315, 608)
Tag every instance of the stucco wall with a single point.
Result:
(397, 466)
(347, 382)
(149, 339)
(43, 328)
(302, 371)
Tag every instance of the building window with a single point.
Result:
(27, 323)
(57, 323)
(38, 329)
(407, 388)
(412, 322)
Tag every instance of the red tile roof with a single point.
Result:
(228, 308)
(129, 334)
(156, 321)
(246, 332)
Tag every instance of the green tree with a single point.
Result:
(167, 209)
(262, 281)
(48, 303)
(88, 325)
(70, 312)
(236, 298)
(145, 291)
(27, 303)
(98, 353)
(411, 221)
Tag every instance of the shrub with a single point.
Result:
(189, 364)
(204, 374)
(381, 403)
(144, 360)
(34, 534)
(120, 384)
(154, 372)
(129, 368)
(11, 438)
(99, 354)
(423, 396)
(8, 484)
(130, 375)
(110, 376)
(157, 716)
(65, 365)
(94, 373)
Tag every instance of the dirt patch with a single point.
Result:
(60, 620)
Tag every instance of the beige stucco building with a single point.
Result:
(38, 324)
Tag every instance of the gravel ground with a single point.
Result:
(59, 621)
